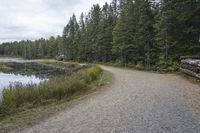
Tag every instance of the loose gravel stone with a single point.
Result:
(136, 102)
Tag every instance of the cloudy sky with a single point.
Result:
(33, 19)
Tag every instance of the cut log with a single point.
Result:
(191, 73)
(189, 57)
(193, 62)
(190, 65)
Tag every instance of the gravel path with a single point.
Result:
(137, 102)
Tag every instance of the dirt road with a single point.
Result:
(136, 102)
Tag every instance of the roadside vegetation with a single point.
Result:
(19, 98)
(23, 105)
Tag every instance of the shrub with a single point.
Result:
(8, 103)
(93, 73)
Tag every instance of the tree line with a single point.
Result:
(137, 32)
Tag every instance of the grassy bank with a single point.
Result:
(4, 67)
(26, 105)
(40, 112)
(19, 98)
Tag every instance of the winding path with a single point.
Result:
(136, 102)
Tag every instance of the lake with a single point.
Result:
(7, 79)
(27, 72)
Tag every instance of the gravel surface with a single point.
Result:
(136, 102)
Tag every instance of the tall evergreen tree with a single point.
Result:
(104, 39)
(145, 31)
(178, 29)
(121, 44)
(92, 22)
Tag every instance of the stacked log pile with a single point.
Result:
(190, 65)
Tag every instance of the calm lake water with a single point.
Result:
(28, 72)
(6, 79)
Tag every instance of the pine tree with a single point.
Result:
(69, 37)
(92, 28)
(83, 39)
(121, 44)
(145, 32)
(104, 39)
(52, 48)
(178, 28)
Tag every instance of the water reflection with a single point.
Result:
(7, 79)
(39, 70)
(29, 72)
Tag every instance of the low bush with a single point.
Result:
(93, 73)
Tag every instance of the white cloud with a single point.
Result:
(32, 19)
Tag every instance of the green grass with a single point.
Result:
(4, 67)
(18, 97)
(31, 116)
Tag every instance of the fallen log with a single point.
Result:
(189, 57)
(194, 62)
(191, 73)
(190, 65)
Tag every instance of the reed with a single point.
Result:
(18, 97)
(4, 67)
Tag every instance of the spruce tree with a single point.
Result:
(121, 45)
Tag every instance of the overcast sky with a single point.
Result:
(33, 19)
